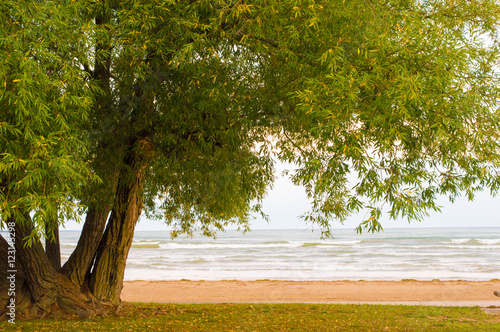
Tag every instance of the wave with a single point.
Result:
(330, 244)
(463, 254)
(476, 241)
(489, 241)
(312, 244)
(460, 241)
(224, 246)
(276, 242)
(197, 261)
(256, 246)
(146, 245)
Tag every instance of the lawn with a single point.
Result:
(274, 317)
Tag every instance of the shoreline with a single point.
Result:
(277, 291)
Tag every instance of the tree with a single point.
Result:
(111, 109)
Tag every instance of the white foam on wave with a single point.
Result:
(489, 241)
(460, 241)
(476, 241)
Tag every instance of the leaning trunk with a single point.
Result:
(79, 263)
(106, 279)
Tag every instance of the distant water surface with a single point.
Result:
(394, 254)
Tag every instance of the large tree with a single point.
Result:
(178, 109)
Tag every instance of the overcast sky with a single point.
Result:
(286, 202)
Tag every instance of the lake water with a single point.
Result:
(394, 254)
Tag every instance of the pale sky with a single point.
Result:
(286, 202)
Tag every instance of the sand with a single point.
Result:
(411, 291)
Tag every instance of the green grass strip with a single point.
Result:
(274, 317)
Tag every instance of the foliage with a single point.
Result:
(402, 108)
(44, 103)
(378, 103)
(276, 317)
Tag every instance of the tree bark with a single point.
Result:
(80, 262)
(18, 291)
(52, 245)
(33, 259)
(51, 294)
(106, 280)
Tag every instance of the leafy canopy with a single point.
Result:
(44, 104)
(377, 103)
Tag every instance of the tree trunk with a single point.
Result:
(80, 262)
(12, 283)
(106, 279)
(52, 245)
(33, 259)
(50, 293)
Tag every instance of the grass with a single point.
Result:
(274, 317)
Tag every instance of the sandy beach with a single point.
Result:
(312, 291)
